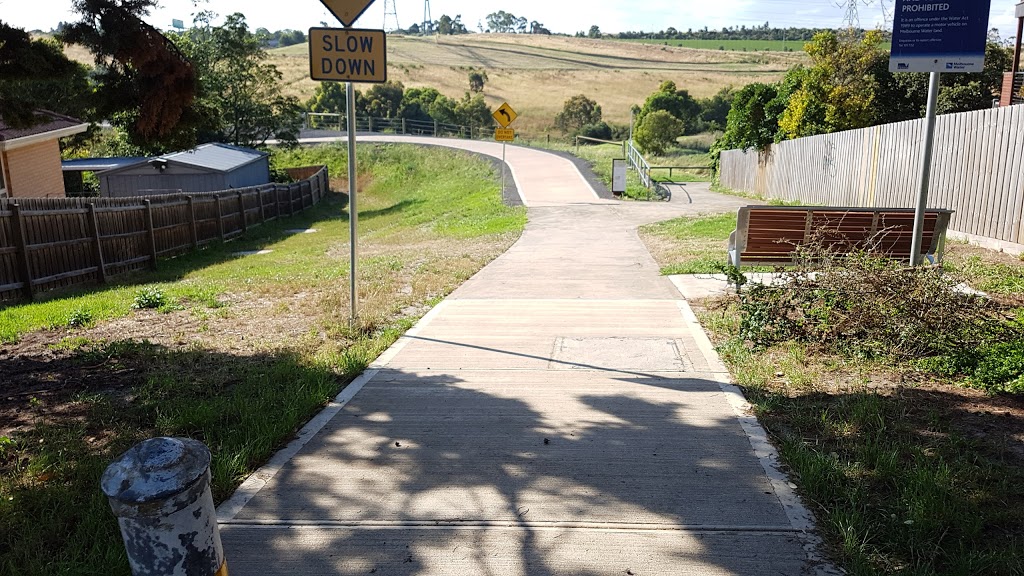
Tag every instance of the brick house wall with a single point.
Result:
(34, 171)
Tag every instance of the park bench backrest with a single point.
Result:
(770, 235)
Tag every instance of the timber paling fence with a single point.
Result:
(52, 243)
(977, 170)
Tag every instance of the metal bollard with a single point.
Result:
(160, 492)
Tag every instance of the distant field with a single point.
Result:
(731, 45)
(536, 74)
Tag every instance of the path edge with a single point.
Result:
(252, 485)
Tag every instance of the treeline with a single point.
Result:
(280, 38)
(393, 100)
(848, 86)
(764, 32)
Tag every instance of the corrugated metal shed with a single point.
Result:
(207, 168)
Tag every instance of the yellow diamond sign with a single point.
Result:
(347, 11)
(505, 115)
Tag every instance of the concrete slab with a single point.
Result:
(528, 551)
(560, 413)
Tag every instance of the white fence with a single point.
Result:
(978, 170)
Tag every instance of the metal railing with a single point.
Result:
(337, 122)
(599, 141)
(640, 164)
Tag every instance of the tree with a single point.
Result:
(383, 100)
(477, 80)
(329, 97)
(238, 90)
(753, 120)
(444, 25)
(594, 32)
(36, 74)
(576, 113)
(714, 111)
(501, 22)
(144, 83)
(657, 132)
(838, 91)
(676, 102)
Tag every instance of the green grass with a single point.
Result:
(600, 157)
(403, 197)
(1003, 279)
(897, 486)
(429, 220)
(737, 45)
(732, 45)
(690, 245)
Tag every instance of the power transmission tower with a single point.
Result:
(428, 22)
(852, 18)
(390, 9)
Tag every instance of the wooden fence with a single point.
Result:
(52, 243)
(978, 170)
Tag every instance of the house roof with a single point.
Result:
(51, 125)
(217, 157)
(99, 164)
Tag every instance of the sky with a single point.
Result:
(567, 16)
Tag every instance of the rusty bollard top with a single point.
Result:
(155, 470)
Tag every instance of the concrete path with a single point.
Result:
(562, 413)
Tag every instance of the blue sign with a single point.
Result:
(946, 36)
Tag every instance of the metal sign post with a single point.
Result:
(353, 213)
(926, 170)
(942, 37)
(349, 55)
(504, 116)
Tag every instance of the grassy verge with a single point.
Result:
(908, 470)
(600, 157)
(238, 352)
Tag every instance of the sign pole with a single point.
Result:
(926, 170)
(353, 213)
(503, 168)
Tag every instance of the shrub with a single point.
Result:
(657, 132)
(576, 113)
(868, 305)
(79, 318)
(601, 131)
(149, 298)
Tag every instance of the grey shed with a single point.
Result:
(207, 168)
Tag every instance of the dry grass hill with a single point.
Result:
(536, 74)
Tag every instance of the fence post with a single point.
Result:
(241, 211)
(435, 128)
(94, 231)
(259, 194)
(291, 200)
(403, 127)
(192, 222)
(150, 232)
(160, 493)
(220, 218)
(371, 124)
(20, 244)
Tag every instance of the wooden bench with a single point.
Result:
(770, 235)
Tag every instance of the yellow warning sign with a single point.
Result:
(347, 11)
(348, 55)
(505, 135)
(505, 115)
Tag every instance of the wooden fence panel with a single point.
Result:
(978, 170)
(51, 243)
